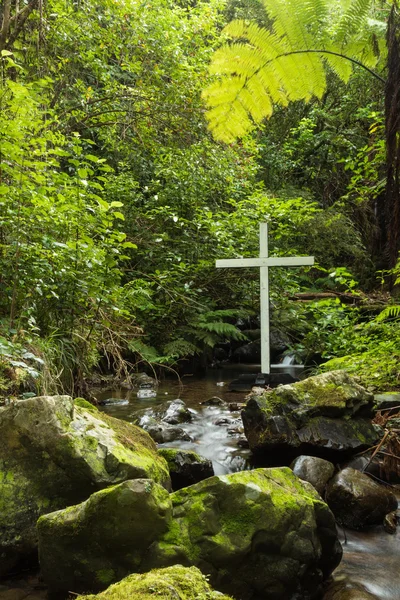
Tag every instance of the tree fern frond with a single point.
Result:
(270, 79)
(238, 59)
(146, 352)
(255, 100)
(288, 61)
(227, 120)
(207, 338)
(293, 22)
(352, 21)
(342, 68)
(307, 78)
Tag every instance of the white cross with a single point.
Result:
(264, 262)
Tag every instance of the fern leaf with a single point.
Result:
(390, 312)
(262, 67)
(342, 68)
(223, 329)
(352, 20)
(146, 352)
(180, 348)
(224, 313)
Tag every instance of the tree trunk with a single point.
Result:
(389, 210)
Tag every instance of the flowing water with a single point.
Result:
(214, 430)
(371, 558)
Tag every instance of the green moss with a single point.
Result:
(129, 435)
(63, 418)
(305, 393)
(170, 455)
(330, 394)
(105, 576)
(6, 477)
(217, 516)
(133, 455)
(177, 541)
(88, 405)
(361, 437)
(91, 441)
(164, 584)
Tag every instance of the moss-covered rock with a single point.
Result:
(259, 534)
(176, 413)
(186, 467)
(100, 541)
(54, 454)
(327, 414)
(172, 583)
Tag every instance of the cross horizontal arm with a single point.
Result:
(273, 261)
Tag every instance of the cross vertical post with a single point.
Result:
(264, 301)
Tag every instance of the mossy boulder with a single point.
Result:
(54, 453)
(258, 534)
(172, 583)
(100, 541)
(186, 467)
(327, 415)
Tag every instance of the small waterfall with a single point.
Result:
(289, 359)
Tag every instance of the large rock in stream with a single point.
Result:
(326, 415)
(54, 453)
(93, 544)
(257, 534)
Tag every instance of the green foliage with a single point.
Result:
(115, 201)
(186, 297)
(378, 367)
(19, 367)
(287, 62)
(325, 329)
(367, 166)
(390, 312)
(367, 348)
(60, 242)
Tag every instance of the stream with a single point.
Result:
(208, 438)
(371, 559)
